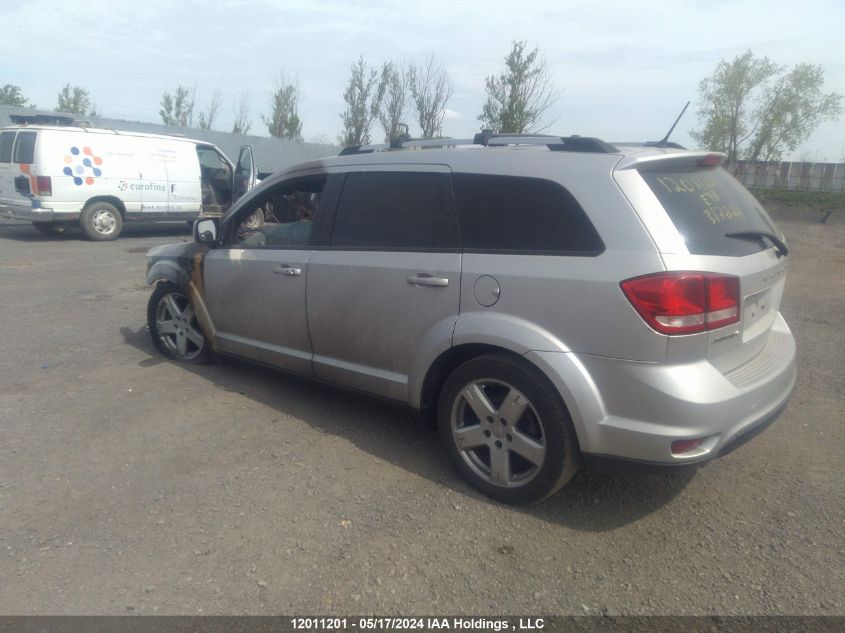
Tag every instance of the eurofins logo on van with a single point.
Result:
(141, 186)
(83, 168)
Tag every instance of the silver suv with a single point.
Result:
(553, 301)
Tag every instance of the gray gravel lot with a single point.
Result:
(129, 484)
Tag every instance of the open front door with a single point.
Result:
(245, 173)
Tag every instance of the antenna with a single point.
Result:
(664, 142)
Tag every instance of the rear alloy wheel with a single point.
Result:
(101, 221)
(174, 327)
(506, 430)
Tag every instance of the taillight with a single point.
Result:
(711, 160)
(45, 185)
(684, 302)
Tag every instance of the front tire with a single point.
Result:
(174, 327)
(506, 429)
(101, 221)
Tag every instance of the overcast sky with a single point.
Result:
(625, 68)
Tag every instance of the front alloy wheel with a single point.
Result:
(173, 325)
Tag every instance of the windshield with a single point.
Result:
(705, 205)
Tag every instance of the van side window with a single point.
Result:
(25, 147)
(403, 210)
(7, 139)
(515, 214)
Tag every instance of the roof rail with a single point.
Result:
(572, 143)
(42, 119)
(661, 144)
(490, 139)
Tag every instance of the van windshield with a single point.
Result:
(706, 204)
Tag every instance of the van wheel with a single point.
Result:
(506, 429)
(254, 221)
(174, 327)
(101, 221)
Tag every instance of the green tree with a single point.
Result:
(431, 90)
(791, 111)
(10, 95)
(753, 108)
(73, 100)
(392, 112)
(363, 96)
(284, 120)
(177, 109)
(518, 99)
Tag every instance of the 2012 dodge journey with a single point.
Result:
(553, 301)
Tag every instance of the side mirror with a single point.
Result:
(205, 230)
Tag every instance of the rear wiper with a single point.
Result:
(756, 236)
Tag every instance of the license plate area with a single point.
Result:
(758, 314)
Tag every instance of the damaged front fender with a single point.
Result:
(181, 264)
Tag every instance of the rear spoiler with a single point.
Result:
(691, 160)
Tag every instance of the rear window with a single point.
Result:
(705, 204)
(513, 214)
(6, 140)
(25, 148)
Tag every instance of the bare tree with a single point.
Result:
(363, 95)
(177, 109)
(73, 100)
(518, 99)
(242, 124)
(206, 119)
(431, 90)
(284, 120)
(392, 113)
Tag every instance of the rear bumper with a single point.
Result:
(37, 214)
(634, 411)
(610, 463)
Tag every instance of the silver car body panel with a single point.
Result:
(353, 318)
(258, 310)
(368, 321)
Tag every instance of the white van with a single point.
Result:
(100, 178)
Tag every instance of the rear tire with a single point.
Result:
(506, 429)
(101, 221)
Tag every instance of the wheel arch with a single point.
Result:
(114, 200)
(167, 270)
(563, 370)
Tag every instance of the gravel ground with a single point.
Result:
(129, 484)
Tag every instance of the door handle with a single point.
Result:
(288, 271)
(424, 279)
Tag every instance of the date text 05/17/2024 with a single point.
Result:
(414, 623)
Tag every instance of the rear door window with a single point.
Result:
(705, 204)
(25, 148)
(396, 211)
(522, 215)
(7, 139)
